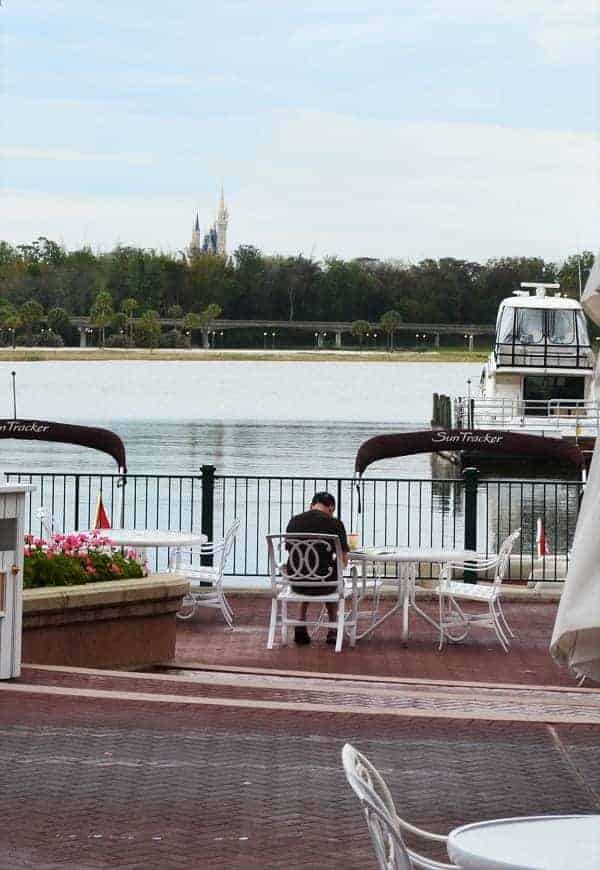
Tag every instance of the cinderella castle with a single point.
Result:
(214, 240)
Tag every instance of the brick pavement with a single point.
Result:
(108, 780)
(205, 639)
(89, 784)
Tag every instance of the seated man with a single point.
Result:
(319, 520)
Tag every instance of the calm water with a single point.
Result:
(264, 418)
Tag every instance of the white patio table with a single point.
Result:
(528, 843)
(408, 560)
(143, 539)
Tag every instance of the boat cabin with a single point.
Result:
(540, 374)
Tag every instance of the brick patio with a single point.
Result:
(105, 770)
(479, 658)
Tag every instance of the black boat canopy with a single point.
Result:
(489, 441)
(85, 436)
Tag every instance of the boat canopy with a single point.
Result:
(489, 441)
(85, 436)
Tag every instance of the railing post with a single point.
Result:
(208, 505)
(76, 498)
(339, 498)
(471, 478)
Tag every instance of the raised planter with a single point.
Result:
(117, 624)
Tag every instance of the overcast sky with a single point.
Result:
(389, 128)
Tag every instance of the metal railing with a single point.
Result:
(543, 355)
(458, 512)
(507, 413)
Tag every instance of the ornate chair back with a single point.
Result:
(379, 810)
(297, 558)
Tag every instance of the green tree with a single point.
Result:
(360, 328)
(59, 321)
(389, 322)
(175, 312)
(149, 325)
(191, 323)
(31, 314)
(102, 313)
(10, 320)
(128, 307)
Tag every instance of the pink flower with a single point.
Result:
(90, 569)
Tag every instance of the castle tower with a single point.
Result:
(195, 243)
(221, 227)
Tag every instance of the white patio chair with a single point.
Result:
(294, 561)
(384, 824)
(455, 622)
(46, 520)
(206, 581)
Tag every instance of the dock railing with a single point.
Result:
(468, 511)
(533, 414)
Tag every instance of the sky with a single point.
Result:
(397, 129)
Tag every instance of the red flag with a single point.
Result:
(101, 520)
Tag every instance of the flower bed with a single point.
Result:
(70, 560)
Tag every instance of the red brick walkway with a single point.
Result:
(479, 658)
(94, 776)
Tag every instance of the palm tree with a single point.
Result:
(360, 328)
(31, 314)
(389, 322)
(102, 313)
(192, 321)
(128, 306)
(10, 319)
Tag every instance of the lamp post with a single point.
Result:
(13, 336)
(264, 340)
(273, 334)
(316, 339)
(222, 335)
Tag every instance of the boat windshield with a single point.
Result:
(554, 326)
(530, 326)
(561, 327)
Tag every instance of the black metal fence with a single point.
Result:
(462, 512)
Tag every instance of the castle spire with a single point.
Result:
(221, 226)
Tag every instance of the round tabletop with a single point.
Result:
(410, 554)
(530, 843)
(144, 538)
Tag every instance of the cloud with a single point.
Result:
(67, 156)
(353, 186)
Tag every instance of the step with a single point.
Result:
(318, 694)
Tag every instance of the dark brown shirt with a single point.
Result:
(319, 523)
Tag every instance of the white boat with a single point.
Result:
(540, 377)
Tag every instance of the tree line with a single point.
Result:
(125, 291)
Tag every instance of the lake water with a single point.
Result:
(263, 418)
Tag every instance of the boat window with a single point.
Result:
(582, 332)
(561, 327)
(505, 331)
(530, 325)
(546, 387)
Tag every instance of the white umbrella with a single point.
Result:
(576, 636)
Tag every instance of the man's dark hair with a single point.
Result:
(324, 498)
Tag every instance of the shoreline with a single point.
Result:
(74, 354)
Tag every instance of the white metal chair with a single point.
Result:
(384, 824)
(206, 581)
(455, 622)
(46, 520)
(294, 560)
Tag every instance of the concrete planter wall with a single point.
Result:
(115, 624)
